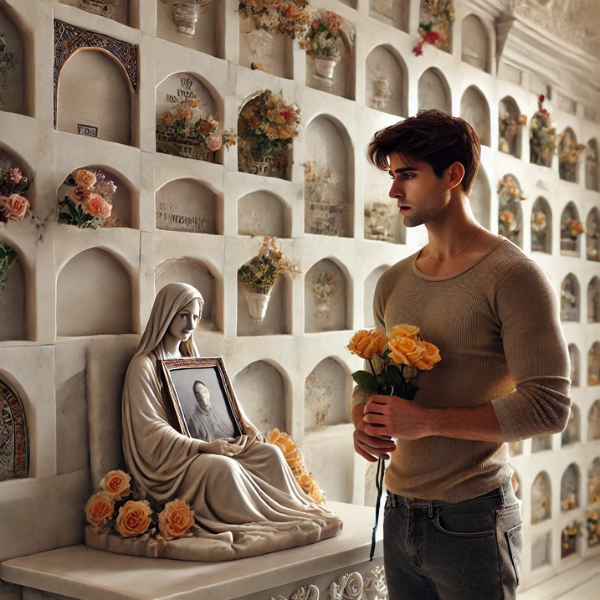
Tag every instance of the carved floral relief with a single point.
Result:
(14, 443)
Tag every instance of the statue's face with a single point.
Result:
(184, 322)
(202, 396)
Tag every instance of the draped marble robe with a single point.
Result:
(245, 505)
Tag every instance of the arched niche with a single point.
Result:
(569, 238)
(510, 214)
(541, 226)
(593, 300)
(575, 362)
(93, 91)
(328, 171)
(325, 393)
(541, 443)
(186, 205)
(570, 299)
(386, 82)
(594, 422)
(475, 43)
(481, 198)
(592, 235)
(569, 488)
(325, 301)
(277, 317)
(568, 156)
(541, 498)
(475, 110)
(182, 141)
(12, 66)
(594, 482)
(594, 365)
(14, 437)
(515, 448)
(268, 52)
(541, 550)
(196, 28)
(263, 213)
(10, 160)
(510, 127)
(260, 388)
(434, 12)
(93, 296)
(122, 211)
(190, 271)
(434, 91)
(116, 10)
(13, 304)
(591, 166)
(369, 294)
(570, 435)
(391, 12)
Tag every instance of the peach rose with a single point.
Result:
(405, 351)
(175, 520)
(97, 206)
(116, 484)
(80, 193)
(85, 178)
(99, 509)
(409, 331)
(365, 344)
(134, 518)
(430, 356)
(15, 207)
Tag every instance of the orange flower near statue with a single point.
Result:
(366, 343)
(134, 518)
(116, 484)
(99, 509)
(175, 520)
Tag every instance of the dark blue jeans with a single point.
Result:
(469, 550)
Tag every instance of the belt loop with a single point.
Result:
(393, 499)
(430, 504)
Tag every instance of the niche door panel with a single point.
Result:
(475, 110)
(385, 81)
(475, 43)
(434, 91)
(325, 298)
(13, 303)
(390, 12)
(12, 70)
(14, 440)
(262, 213)
(325, 396)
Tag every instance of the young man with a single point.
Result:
(452, 528)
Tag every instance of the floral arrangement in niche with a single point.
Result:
(294, 459)
(569, 152)
(507, 224)
(434, 29)
(188, 132)
(509, 193)
(267, 126)
(539, 227)
(89, 203)
(509, 190)
(572, 228)
(326, 212)
(7, 258)
(593, 527)
(124, 510)
(260, 273)
(13, 205)
(569, 537)
(542, 136)
(288, 17)
(509, 128)
(324, 287)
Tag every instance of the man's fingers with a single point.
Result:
(364, 454)
(374, 418)
(373, 452)
(372, 430)
(375, 441)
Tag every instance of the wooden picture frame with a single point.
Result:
(202, 397)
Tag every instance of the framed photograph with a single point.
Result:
(202, 396)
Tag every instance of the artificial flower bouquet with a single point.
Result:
(569, 152)
(440, 13)
(89, 203)
(542, 136)
(509, 191)
(123, 510)
(507, 223)
(573, 228)
(13, 205)
(323, 35)
(187, 131)
(288, 17)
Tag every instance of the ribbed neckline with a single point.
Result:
(446, 277)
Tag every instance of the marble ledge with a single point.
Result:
(82, 572)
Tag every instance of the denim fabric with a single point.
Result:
(469, 550)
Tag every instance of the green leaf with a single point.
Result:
(366, 381)
(394, 376)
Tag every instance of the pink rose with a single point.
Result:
(15, 175)
(15, 207)
(97, 206)
(80, 194)
(213, 141)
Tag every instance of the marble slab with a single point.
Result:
(82, 572)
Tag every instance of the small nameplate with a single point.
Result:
(88, 130)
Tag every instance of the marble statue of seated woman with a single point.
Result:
(244, 495)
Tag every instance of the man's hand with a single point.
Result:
(370, 446)
(395, 417)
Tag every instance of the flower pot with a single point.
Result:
(185, 14)
(258, 301)
(324, 66)
(268, 167)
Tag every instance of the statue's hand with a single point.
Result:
(224, 447)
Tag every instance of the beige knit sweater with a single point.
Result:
(497, 326)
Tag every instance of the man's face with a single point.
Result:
(202, 396)
(421, 195)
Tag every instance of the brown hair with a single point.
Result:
(433, 137)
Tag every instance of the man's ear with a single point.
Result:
(456, 173)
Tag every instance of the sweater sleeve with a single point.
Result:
(536, 353)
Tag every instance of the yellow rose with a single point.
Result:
(99, 509)
(116, 484)
(409, 331)
(85, 178)
(365, 344)
(175, 520)
(430, 356)
(133, 518)
(404, 350)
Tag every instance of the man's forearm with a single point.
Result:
(479, 423)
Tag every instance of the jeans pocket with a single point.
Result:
(514, 538)
(474, 519)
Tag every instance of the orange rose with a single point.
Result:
(97, 206)
(134, 518)
(405, 351)
(409, 331)
(175, 520)
(15, 207)
(365, 344)
(80, 193)
(99, 509)
(85, 178)
(429, 357)
(116, 484)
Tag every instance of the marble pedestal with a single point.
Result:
(85, 573)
